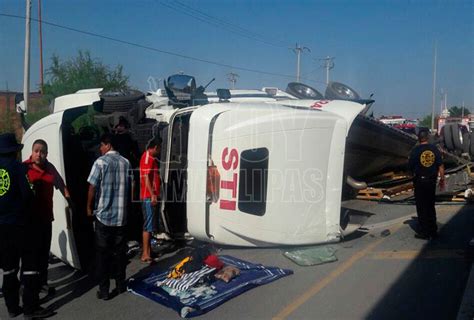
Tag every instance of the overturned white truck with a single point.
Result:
(262, 172)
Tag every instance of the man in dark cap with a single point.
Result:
(426, 164)
(15, 194)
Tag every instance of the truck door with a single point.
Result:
(63, 243)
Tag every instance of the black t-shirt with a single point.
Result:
(15, 191)
(425, 159)
(128, 148)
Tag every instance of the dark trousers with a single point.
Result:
(425, 192)
(44, 247)
(111, 259)
(30, 267)
(11, 238)
(16, 242)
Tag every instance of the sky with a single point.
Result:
(380, 47)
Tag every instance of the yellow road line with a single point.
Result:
(416, 254)
(317, 287)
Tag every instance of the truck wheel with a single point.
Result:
(302, 91)
(144, 132)
(457, 137)
(471, 144)
(448, 137)
(120, 100)
(340, 91)
(466, 142)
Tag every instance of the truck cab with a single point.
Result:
(246, 173)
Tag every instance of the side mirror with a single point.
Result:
(20, 103)
(223, 94)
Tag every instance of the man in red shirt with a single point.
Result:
(44, 177)
(149, 193)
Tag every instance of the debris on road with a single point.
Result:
(310, 256)
(385, 233)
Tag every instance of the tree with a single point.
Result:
(426, 121)
(82, 72)
(458, 112)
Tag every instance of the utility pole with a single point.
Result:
(26, 64)
(232, 77)
(298, 50)
(40, 46)
(328, 65)
(8, 119)
(442, 98)
(434, 86)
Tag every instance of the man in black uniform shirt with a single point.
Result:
(426, 163)
(15, 195)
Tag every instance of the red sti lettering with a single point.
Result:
(230, 162)
(319, 104)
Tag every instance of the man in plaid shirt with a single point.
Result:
(107, 201)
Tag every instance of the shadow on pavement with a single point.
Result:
(432, 288)
(69, 283)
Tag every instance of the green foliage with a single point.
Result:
(458, 111)
(32, 117)
(37, 109)
(82, 72)
(426, 121)
(6, 123)
(85, 120)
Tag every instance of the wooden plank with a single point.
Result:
(370, 194)
(459, 197)
(399, 189)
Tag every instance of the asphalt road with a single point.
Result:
(375, 277)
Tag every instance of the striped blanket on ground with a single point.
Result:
(197, 301)
(187, 280)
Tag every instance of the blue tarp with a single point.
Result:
(202, 299)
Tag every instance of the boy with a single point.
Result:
(44, 177)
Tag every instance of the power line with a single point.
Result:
(218, 22)
(151, 48)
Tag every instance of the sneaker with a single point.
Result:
(163, 236)
(15, 312)
(39, 313)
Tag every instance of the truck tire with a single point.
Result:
(144, 132)
(120, 100)
(302, 91)
(471, 144)
(340, 91)
(448, 137)
(466, 142)
(457, 137)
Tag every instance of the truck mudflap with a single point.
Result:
(276, 173)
